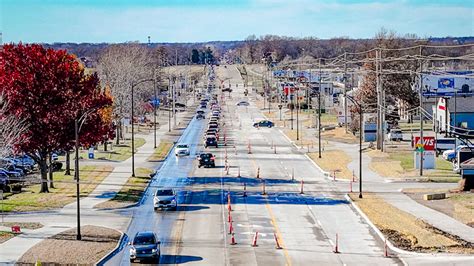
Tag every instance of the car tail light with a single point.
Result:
(212, 158)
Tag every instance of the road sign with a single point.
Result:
(429, 143)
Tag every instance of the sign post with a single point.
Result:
(427, 147)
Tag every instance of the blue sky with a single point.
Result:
(206, 20)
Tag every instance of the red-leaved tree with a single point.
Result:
(48, 90)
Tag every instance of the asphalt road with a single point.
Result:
(304, 224)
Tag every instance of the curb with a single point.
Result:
(325, 173)
(389, 243)
(120, 245)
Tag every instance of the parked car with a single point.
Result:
(181, 150)
(226, 90)
(211, 142)
(450, 155)
(264, 123)
(4, 181)
(145, 246)
(243, 103)
(444, 144)
(395, 134)
(206, 160)
(165, 199)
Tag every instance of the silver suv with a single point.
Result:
(165, 199)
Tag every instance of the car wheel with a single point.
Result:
(155, 208)
(132, 260)
(213, 165)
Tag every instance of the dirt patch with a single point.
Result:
(459, 205)
(63, 248)
(406, 231)
(23, 225)
(4, 236)
(333, 160)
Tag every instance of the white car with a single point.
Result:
(165, 199)
(181, 150)
(395, 134)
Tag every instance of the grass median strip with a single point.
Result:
(161, 151)
(406, 231)
(64, 249)
(131, 192)
(333, 160)
(64, 192)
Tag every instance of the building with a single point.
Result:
(456, 112)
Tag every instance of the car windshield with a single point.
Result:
(144, 240)
(181, 146)
(164, 192)
(206, 155)
(210, 139)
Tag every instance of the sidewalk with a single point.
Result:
(372, 181)
(401, 201)
(57, 221)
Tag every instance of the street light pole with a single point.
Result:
(361, 124)
(319, 111)
(154, 111)
(361, 118)
(133, 128)
(76, 176)
(133, 137)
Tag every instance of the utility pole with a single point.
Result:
(382, 111)
(319, 107)
(379, 101)
(345, 91)
(421, 111)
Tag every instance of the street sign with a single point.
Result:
(428, 144)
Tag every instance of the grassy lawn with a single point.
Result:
(415, 126)
(119, 153)
(333, 160)
(131, 192)
(401, 164)
(161, 151)
(405, 230)
(64, 192)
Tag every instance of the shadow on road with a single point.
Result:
(178, 259)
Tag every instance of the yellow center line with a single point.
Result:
(274, 223)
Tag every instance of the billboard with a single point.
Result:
(458, 83)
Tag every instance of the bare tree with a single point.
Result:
(119, 67)
(11, 129)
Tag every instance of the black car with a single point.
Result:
(226, 89)
(200, 116)
(206, 160)
(264, 123)
(145, 246)
(213, 126)
(211, 142)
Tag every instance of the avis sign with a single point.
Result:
(428, 149)
(428, 144)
